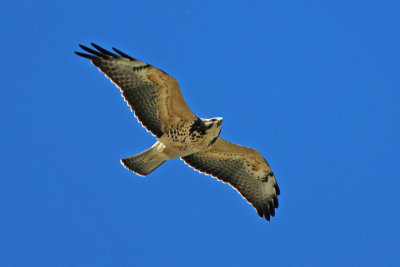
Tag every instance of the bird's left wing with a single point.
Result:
(243, 168)
(153, 95)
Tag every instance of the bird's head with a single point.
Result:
(207, 129)
(213, 126)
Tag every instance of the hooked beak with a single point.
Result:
(219, 122)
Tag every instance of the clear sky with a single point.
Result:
(313, 85)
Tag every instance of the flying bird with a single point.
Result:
(157, 102)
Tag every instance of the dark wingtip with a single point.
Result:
(84, 55)
(266, 212)
(276, 202)
(271, 209)
(94, 52)
(102, 50)
(260, 213)
(122, 54)
(278, 191)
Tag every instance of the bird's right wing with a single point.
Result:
(152, 94)
(243, 168)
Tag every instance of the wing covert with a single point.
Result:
(243, 168)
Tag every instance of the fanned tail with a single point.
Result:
(140, 164)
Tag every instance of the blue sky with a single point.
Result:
(313, 85)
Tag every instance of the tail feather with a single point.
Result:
(139, 166)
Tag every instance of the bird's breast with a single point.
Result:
(180, 141)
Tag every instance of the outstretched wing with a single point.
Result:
(152, 94)
(243, 168)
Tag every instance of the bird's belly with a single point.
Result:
(176, 148)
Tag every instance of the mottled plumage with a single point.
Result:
(243, 168)
(157, 102)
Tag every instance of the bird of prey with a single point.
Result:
(157, 102)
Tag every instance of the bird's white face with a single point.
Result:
(213, 126)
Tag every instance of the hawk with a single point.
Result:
(157, 102)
